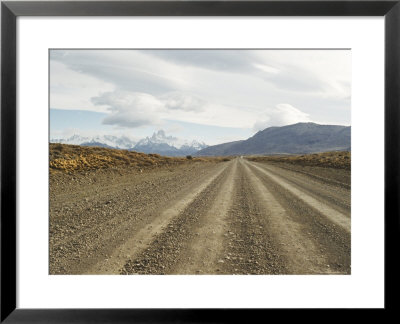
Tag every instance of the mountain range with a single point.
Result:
(298, 138)
(168, 145)
(158, 143)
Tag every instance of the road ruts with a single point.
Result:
(237, 217)
(312, 195)
(98, 223)
(163, 223)
(191, 242)
(250, 245)
(203, 252)
(331, 193)
(317, 238)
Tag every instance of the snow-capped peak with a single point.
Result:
(122, 142)
(73, 140)
(160, 137)
(159, 142)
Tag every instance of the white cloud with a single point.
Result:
(282, 114)
(216, 115)
(182, 101)
(228, 88)
(266, 68)
(324, 73)
(72, 90)
(130, 109)
(128, 70)
(133, 109)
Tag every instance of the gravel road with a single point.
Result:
(234, 217)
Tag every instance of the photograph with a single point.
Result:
(199, 161)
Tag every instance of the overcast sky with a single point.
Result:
(210, 95)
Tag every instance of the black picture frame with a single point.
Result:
(10, 10)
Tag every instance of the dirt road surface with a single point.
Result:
(235, 217)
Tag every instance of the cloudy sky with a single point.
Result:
(210, 95)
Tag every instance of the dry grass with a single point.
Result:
(75, 158)
(338, 160)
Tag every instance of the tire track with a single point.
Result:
(235, 217)
(202, 253)
(321, 179)
(130, 208)
(300, 254)
(172, 250)
(331, 240)
(332, 214)
(120, 196)
(250, 248)
(338, 198)
(145, 236)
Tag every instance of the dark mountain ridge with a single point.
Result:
(298, 138)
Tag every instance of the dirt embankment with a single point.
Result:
(73, 159)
